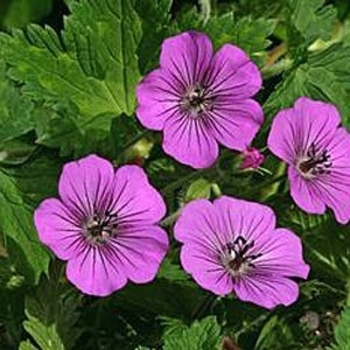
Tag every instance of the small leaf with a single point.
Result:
(342, 331)
(312, 19)
(198, 189)
(202, 335)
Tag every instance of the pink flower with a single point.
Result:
(252, 158)
(309, 138)
(105, 225)
(232, 245)
(200, 99)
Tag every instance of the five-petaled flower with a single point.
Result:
(200, 99)
(105, 225)
(317, 149)
(232, 245)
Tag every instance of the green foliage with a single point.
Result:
(246, 32)
(325, 76)
(52, 314)
(275, 331)
(15, 109)
(91, 69)
(342, 331)
(202, 335)
(200, 188)
(155, 15)
(311, 19)
(16, 223)
(69, 92)
(18, 13)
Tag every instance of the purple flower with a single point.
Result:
(317, 149)
(252, 158)
(232, 245)
(104, 224)
(200, 99)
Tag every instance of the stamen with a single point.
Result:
(236, 257)
(196, 101)
(100, 228)
(314, 163)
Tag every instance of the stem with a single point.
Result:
(269, 71)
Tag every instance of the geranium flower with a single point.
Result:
(309, 138)
(232, 245)
(200, 99)
(105, 225)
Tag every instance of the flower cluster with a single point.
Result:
(105, 222)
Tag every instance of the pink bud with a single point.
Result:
(252, 158)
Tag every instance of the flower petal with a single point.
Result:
(134, 199)
(84, 185)
(318, 121)
(59, 229)
(189, 142)
(206, 269)
(235, 124)
(187, 56)
(281, 255)
(334, 188)
(232, 74)
(96, 271)
(305, 193)
(283, 138)
(198, 224)
(248, 219)
(141, 249)
(293, 130)
(266, 291)
(158, 96)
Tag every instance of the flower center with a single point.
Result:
(100, 228)
(314, 163)
(196, 101)
(236, 257)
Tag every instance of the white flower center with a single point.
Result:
(314, 163)
(98, 229)
(236, 258)
(196, 101)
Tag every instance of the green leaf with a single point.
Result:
(45, 336)
(312, 19)
(27, 345)
(18, 13)
(21, 189)
(155, 16)
(16, 222)
(200, 188)
(172, 272)
(92, 67)
(342, 331)
(246, 32)
(202, 335)
(275, 331)
(325, 76)
(52, 313)
(15, 109)
(250, 34)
